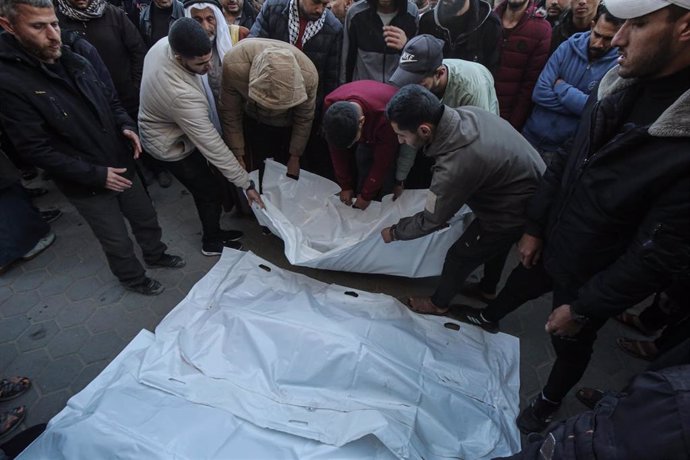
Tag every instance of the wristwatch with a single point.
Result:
(252, 186)
(578, 318)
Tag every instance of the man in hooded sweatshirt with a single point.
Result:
(469, 28)
(268, 102)
(566, 82)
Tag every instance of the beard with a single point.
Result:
(648, 63)
(42, 53)
(516, 4)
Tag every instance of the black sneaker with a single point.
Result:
(35, 192)
(50, 215)
(473, 316)
(168, 261)
(215, 248)
(230, 235)
(147, 287)
(474, 291)
(537, 416)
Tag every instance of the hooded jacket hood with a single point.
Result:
(673, 122)
(479, 12)
(276, 80)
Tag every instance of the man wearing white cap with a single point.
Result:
(612, 216)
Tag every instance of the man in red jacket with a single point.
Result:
(524, 51)
(356, 115)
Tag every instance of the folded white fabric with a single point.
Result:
(335, 365)
(321, 232)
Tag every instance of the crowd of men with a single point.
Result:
(564, 125)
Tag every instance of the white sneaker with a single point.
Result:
(41, 246)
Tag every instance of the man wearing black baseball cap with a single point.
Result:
(455, 81)
(610, 223)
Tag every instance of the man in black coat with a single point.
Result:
(62, 118)
(612, 216)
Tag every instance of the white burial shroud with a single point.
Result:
(260, 363)
(321, 232)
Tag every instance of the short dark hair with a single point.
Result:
(188, 39)
(608, 17)
(340, 124)
(412, 106)
(8, 8)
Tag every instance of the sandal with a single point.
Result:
(424, 306)
(639, 349)
(13, 387)
(589, 396)
(11, 419)
(633, 322)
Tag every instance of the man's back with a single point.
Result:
(469, 83)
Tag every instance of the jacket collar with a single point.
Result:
(673, 122)
(11, 50)
(455, 130)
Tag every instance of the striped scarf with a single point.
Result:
(93, 11)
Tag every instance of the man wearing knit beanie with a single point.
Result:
(179, 124)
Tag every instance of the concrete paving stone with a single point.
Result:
(162, 304)
(56, 284)
(75, 313)
(11, 275)
(87, 374)
(136, 320)
(68, 341)
(28, 363)
(110, 293)
(46, 407)
(84, 288)
(529, 383)
(190, 279)
(41, 261)
(87, 268)
(106, 318)
(5, 293)
(47, 308)
(134, 301)
(105, 345)
(8, 353)
(64, 263)
(59, 374)
(13, 327)
(19, 303)
(37, 335)
(105, 275)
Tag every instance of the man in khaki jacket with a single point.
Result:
(267, 103)
(179, 125)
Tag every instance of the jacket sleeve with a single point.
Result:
(572, 99)
(446, 195)
(544, 93)
(331, 75)
(32, 142)
(537, 60)
(135, 49)
(659, 253)
(343, 165)
(303, 117)
(190, 113)
(349, 53)
(492, 50)
(231, 113)
(385, 151)
(260, 29)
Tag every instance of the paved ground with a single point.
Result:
(63, 315)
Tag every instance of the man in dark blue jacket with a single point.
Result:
(612, 216)
(63, 119)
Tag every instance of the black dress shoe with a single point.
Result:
(168, 261)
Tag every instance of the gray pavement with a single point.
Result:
(64, 316)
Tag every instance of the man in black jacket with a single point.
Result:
(63, 119)
(470, 29)
(613, 216)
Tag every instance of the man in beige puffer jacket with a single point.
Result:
(274, 84)
(178, 124)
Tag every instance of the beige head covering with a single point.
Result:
(276, 81)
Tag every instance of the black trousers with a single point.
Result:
(572, 353)
(104, 213)
(196, 175)
(475, 247)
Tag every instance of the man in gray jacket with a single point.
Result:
(480, 160)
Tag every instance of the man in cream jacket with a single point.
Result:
(179, 124)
